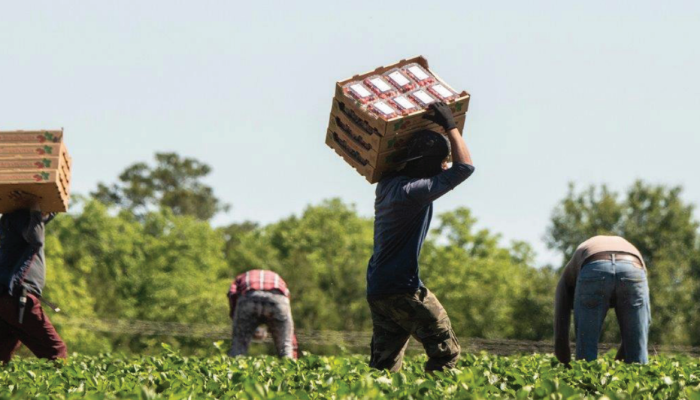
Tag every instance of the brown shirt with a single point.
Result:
(564, 298)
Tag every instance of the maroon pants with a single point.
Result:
(36, 331)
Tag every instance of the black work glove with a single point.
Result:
(442, 115)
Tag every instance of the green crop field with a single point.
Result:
(173, 376)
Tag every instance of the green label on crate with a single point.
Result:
(48, 149)
(458, 106)
(390, 144)
(398, 125)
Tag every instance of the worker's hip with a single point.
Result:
(34, 322)
(419, 313)
(263, 303)
(620, 284)
(9, 306)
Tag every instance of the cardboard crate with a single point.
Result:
(36, 162)
(356, 162)
(356, 143)
(31, 150)
(36, 152)
(66, 164)
(47, 185)
(350, 152)
(372, 155)
(60, 164)
(25, 177)
(39, 163)
(28, 137)
(399, 124)
(373, 143)
(65, 174)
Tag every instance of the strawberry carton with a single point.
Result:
(360, 114)
(30, 150)
(370, 142)
(380, 87)
(367, 133)
(35, 162)
(422, 98)
(371, 168)
(43, 136)
(442, 92)
(45, 184)
(419, 74)
(382, 109)
(400, 80)
(359, 92)
(404, 104)
(12, 163)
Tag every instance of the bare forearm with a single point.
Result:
(460, 151)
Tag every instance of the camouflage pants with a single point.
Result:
(261, 307)
(398, 317)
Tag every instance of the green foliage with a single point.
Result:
(661, 225)
(158, 265)
(162, 268)
(174, 183)
(322, 255)
(172, 376)
(486, 288)
(75, 299)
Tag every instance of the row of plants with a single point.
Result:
(171, 375)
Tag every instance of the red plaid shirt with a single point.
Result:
(257, 279)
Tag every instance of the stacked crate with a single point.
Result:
(35, 162)
(372, 145)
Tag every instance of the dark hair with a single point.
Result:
(426, 151)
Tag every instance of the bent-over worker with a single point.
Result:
(605, 272)
(261, 297)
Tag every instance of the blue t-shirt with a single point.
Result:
(402, 213)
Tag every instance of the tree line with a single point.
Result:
(143, 248)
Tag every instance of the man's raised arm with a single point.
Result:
(443, 117)
(430, 189)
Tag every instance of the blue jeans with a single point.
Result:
(622, 285)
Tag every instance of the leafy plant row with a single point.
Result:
(173, 376)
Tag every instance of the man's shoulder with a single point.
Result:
(390, 179)
(392, 186)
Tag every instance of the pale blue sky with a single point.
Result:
(590, 92)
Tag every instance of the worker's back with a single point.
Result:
(400, 227)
